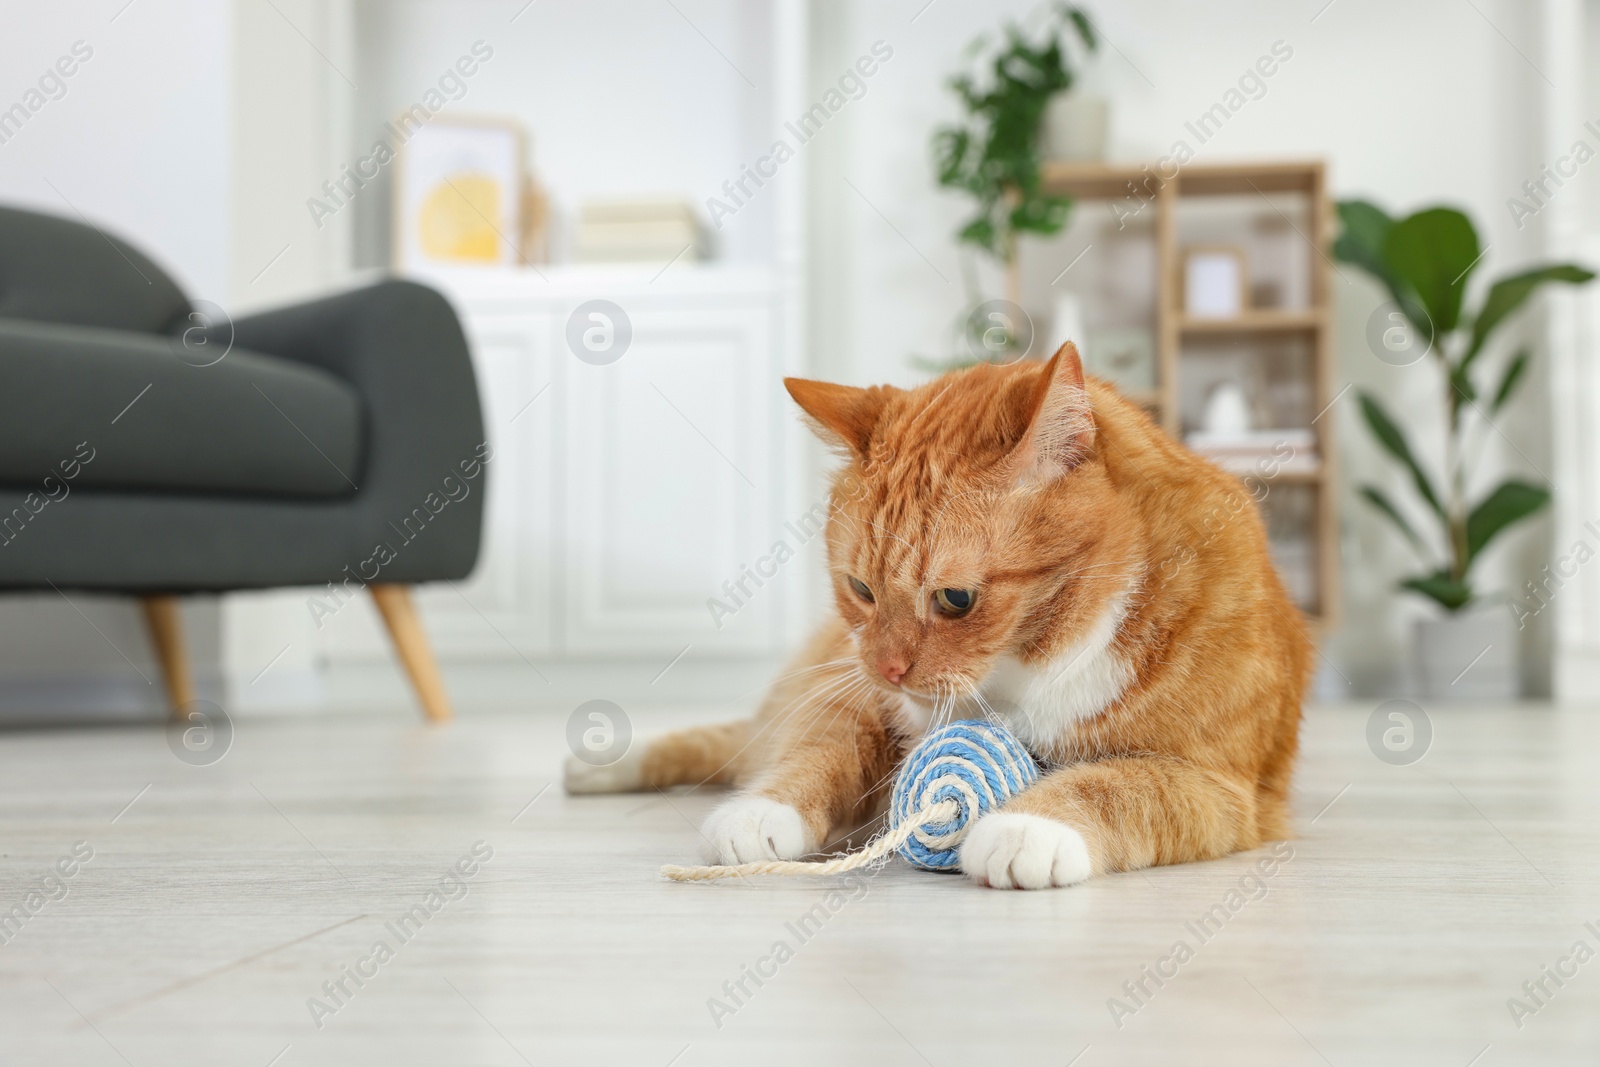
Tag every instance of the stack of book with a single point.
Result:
(1264, 453)
(633, 231)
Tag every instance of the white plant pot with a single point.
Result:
(1075, 128)
(1468, 657)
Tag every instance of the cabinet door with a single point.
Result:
(670, 463)
(504, 607)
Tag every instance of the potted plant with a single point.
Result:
(1425, 262)
(993, 155)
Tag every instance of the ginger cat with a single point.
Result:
(1017, 542)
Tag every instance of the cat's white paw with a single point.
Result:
(623, 776)
(1017, 851)
(748, 828)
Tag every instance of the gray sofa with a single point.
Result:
(152, 449)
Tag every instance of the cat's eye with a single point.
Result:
(861, 589)
(954, 602)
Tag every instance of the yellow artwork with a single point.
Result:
(457, 219)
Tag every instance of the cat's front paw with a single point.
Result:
(1017, 851)
(748, 828)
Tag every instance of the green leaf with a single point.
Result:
(1363, 228)
(1394, 442)
(1081, 23)
(981, 232)
(1508, 383)
(950, 146)
(1508, 294)
(1432, 253)
(1451, 594)
(1377, 499)
(993, 153)
(1043, 215)
(1509, 504)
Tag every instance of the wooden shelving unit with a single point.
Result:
(1142, 184)
(1263, 321)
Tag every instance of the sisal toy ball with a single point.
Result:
(975, 764)
(955, 774)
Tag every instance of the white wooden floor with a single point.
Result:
(223, 898)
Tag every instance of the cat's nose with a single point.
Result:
(892, 668)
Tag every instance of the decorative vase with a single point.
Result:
(1469, 656)
(1075, 128)
(1066, 323)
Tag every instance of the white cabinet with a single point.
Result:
(622, 495)
(669, 459)
(507, 599)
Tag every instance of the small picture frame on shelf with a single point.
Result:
(458, 194)
(1215, 282)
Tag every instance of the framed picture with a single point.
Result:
(458, 194)
(1214, 282)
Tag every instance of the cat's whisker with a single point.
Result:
(988, 711)
(847, 697)
(818, 691)
(944, 706)
(793, 714)
(834, 698)
(812, 709)
(846, 662)
(825, 701)
(1027, 713)
(894, 768)
(773, 721)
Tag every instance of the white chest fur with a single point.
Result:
(1041, 703)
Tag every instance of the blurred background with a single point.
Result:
(646, 212)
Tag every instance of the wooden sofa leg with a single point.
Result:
(162, 617)
(411, 642)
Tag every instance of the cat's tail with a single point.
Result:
(702, 755)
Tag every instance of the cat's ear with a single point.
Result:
(1060, 421)
(842, 415)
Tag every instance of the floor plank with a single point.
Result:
(1418, 899)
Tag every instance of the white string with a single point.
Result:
(876, 851)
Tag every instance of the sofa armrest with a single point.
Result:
(400, 346)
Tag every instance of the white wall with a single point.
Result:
(138, 145)
(1411, 104)
(619, 99)
(1569, 224)
(289, 129)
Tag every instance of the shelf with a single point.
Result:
(1113, 181)
(1095, 181)
(1289, 474)
(1261, 321)
(1293, 475)
(1155, 196)
(1291, 457)
(1249, 178)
